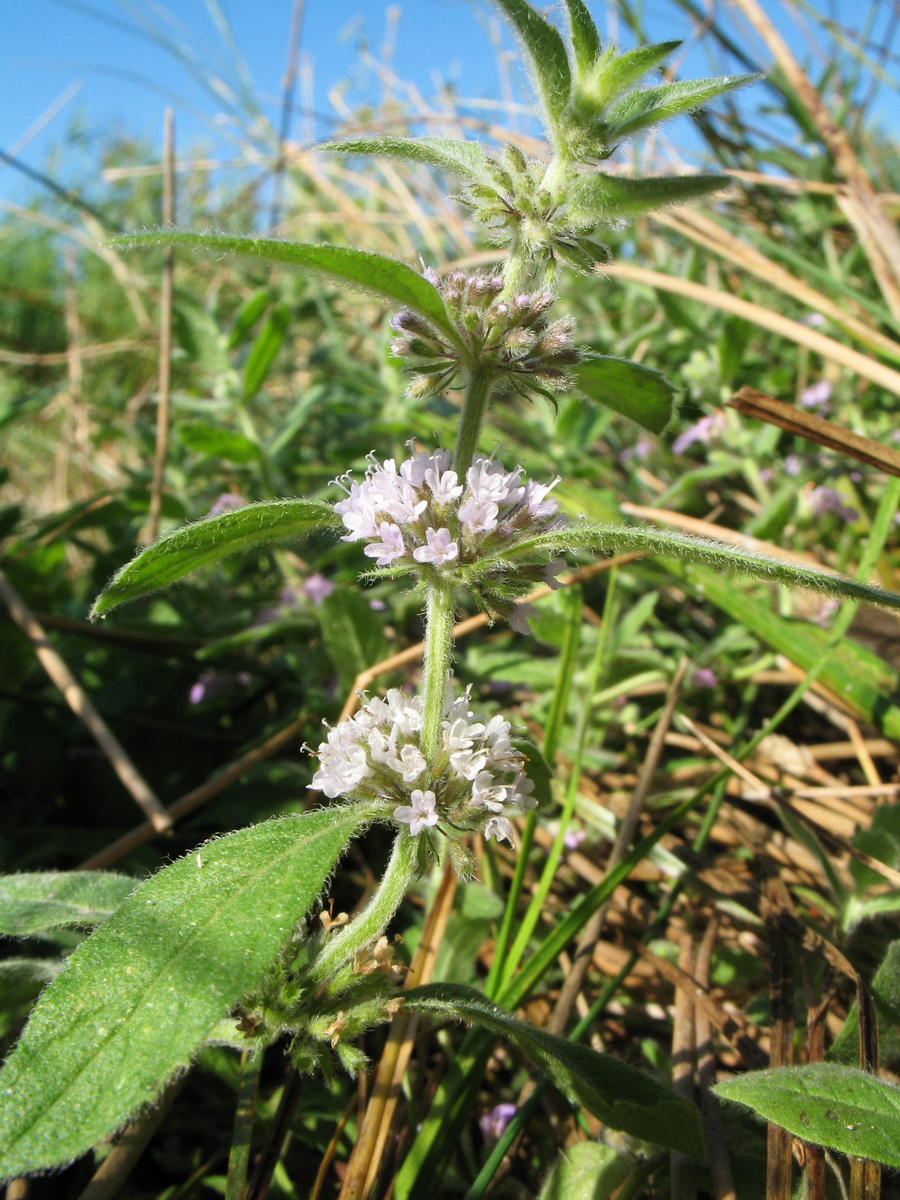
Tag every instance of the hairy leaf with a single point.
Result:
(637, 110)
(611, 197)
(209, 540)
(614, 539)
(628, 388)
(625, 69)
(838, 1107)
(139, 996)
(583, 31)
(35, 903)
(587, 1171)
(619, 1095)
(547, 56)
(454, 155)
(385, 277)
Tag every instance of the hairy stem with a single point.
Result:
(478, 395)
(341, 950)
(438, 653)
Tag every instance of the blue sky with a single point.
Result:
(87, 58)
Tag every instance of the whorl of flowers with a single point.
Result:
(421, 516)
(518, 207)
(514, 340)
(476, 783)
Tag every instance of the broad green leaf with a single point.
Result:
(247, 316)
(353, 635)
(614, 539)
(623, 70)
(865, 682)
(586, 1171)
(637, 110)
(385, 277)
(216, 441)
(207, 541)
(547, 56)
(885, 988)
(583, 31)
(35, 903)
(829, 1105)
(139, 996)
(266, 345)
(628, 388)
(610, 197)
(619, 1095)
(454, 155)
(21, 980)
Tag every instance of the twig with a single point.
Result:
(754, 403)
(130, 1145)
(166, 299)
(77, 699)
(714, 1128)
(683, 1173)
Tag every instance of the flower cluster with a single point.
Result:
(476, 783)
(514, 340)
(420, 515)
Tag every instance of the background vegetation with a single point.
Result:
(775, 887)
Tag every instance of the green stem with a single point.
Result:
(478, 394)
(438, 653)
(341, 950)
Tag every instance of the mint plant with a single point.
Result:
(218, 948)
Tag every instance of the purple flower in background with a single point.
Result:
(793, 465)
(704, 430)
(639, 450)
(827, 500)
(814, 320)
(225, 503)
(494, 1122)
(573, 838)
(816, 395)
(704, 677)
(316, 587)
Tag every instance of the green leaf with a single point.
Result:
(247, 316)
(353, 635)
(139, 996)
(265, 346)
(885, 988)
(586, 1171)
(454, 155)
(21, 980)
(384, 277)
(216, 441)
(35, 903)
(829, 1105)
(583, 31)
(864, 682)
(614, 539)
(612, 197)
(546, 51)
(625, 69)
(628, 388)
(639, 109)
(617, 1094)
(207, 541)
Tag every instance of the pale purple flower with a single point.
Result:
(793, 465)
(316, 587)
(390, 547)
(704, 430)
(704, 677)
(641, 448)
(478, 518)
(573, 838)
(225, 503)
(441, 548)
(827, 500)
(419, 814)
(519, 617)
(814, 320)
(493, 1123)
(816, 395)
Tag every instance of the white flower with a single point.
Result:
(341, 772)
(487, 792)
(409, 764)
(478, 518)
(441, 548)
(534, 498)
(499, 828)
(419, 814)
